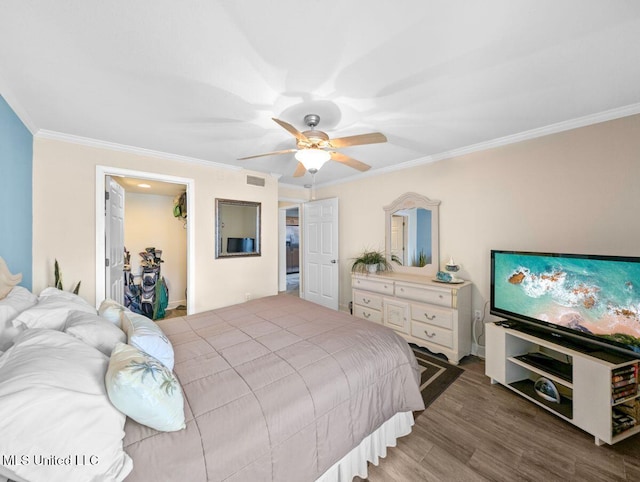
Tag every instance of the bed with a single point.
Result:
(273, 389)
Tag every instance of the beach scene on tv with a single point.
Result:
(593, 296)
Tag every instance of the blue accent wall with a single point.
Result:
(16, 209)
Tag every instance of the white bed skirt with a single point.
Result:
(369, 450)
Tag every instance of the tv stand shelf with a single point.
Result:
(556, 375)
(516, 359)
(525, 388)
(562, 372)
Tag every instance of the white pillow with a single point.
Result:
(18, 300)
(54, 292)
(144, 389)
(54, 404)
(8, 332)
(52, 310)
(111, 310)
(94, 330)
(147, 336)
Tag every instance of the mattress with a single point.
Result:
(275, 389)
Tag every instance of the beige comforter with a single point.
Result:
(275, 389)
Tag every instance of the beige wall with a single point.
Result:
(291, 195)
(64, 224)
(575, 192)
(149, 222)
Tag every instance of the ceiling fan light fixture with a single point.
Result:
(312, 159)
(311, 147)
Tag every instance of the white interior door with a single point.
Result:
(114, 242)
(320, 246)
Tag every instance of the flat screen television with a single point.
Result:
(240, 245)
(594, 299)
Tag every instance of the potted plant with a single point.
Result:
(371, 261)
(58, 278)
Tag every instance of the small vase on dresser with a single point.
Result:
(433, 315)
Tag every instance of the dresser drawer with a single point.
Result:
(379, 286)
(424, 294)
(367, 314)
(367, 299)
(433, 315)
(432, 334)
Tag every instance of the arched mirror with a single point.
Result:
(411, 237)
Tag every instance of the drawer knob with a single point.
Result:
(426, 315)
(366, 301)
(428, 335)
(366, 315)
(402, 289)
(385, 286)
(440, 296)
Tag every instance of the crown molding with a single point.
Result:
(584, 121)
(576, 123)
(85, 141)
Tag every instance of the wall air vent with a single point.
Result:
(255, 181)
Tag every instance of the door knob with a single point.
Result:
(334, 261)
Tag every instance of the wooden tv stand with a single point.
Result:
(588, 398)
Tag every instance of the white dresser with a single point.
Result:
(434, 315)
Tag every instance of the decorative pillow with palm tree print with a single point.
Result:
(144, 389)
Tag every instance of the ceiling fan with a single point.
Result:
(314, 148)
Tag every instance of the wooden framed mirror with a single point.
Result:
(411, 237)
(237, 228)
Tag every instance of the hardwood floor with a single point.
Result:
(477, 431)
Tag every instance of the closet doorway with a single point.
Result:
(154, 234)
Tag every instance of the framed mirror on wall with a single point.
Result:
(411, 237)
(237, 228)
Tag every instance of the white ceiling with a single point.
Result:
(150, 186)
(203, 79)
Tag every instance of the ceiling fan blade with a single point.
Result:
(300, 170)
(349, 161)
(372, 138)
(295, 132)
(274, 153)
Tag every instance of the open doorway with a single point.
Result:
(152, 234)
(155, 242)
(292, 249)
(289, 250)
